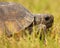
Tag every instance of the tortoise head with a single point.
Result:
(46, 19)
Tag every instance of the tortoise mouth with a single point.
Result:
(49, 23)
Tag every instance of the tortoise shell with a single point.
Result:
(14, 17)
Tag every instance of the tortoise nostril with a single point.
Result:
(47, 18)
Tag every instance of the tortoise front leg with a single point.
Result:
(42, 30)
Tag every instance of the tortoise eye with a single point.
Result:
(47, 18)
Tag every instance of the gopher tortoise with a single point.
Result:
(14, 18)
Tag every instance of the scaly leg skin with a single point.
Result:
(42, 30)
(1, 28)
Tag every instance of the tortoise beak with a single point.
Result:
(49, 20)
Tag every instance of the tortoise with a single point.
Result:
(14, 18)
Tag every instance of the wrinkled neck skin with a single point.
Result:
(36, 23)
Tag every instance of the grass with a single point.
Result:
(53, 37)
